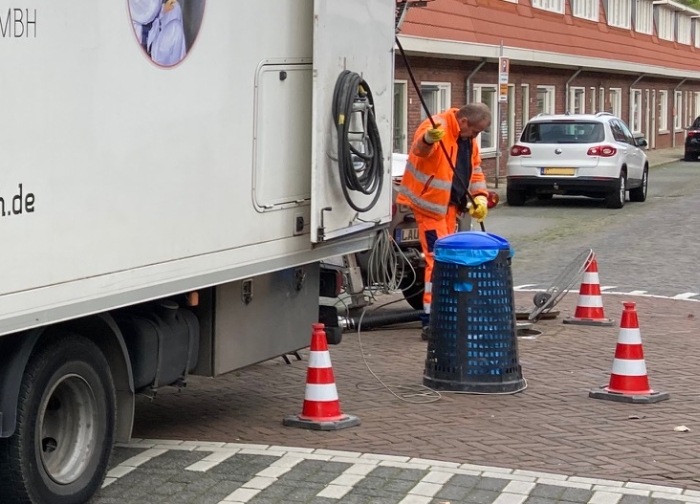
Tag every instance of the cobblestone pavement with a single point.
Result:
(553, 426)
(550, 443)
(149, 471)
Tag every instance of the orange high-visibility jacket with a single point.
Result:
(426, 161)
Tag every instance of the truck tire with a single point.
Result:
(66, 417)
(413, 291)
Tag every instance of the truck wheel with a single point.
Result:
(413, 291)
(66, 416)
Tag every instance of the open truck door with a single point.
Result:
(352, 49)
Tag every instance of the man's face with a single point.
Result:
(468, 130)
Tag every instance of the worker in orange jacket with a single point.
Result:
(432, 191)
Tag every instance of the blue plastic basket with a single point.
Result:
(473, 344)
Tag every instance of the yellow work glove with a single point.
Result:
(481, 209)
(434, 134)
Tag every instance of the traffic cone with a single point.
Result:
(321, 409)
(628, 380)
(589, 309)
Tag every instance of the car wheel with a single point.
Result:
(616, 198)
(515, 198)
(66, 418)
(639, 194)
(545, 197)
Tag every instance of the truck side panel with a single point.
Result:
(126, 179)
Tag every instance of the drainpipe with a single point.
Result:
(673, 126)
(631, 117)
(566, 109)
(469, 79)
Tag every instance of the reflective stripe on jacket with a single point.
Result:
(427, 180)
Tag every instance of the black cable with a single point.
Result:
(432, 122)
(369, 178)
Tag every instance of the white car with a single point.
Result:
(592, 155)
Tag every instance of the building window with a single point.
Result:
(586, 9)
(697, 104)
(525, 112)
(678, 110)
(663, 110)
(644, 16)
(619, 13)
(684, 24)
(488, 94)
(696, 38)
(601, 108)
(545, 99)
(592, 101)
(577, 100)
(549, 5)
(400, 117)
(437, 97)
(616, 101)
(665, 24)
(636, 110)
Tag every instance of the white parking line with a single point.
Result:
(686, 295)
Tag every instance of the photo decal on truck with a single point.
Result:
(166, 29)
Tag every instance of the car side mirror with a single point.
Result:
(641, 142)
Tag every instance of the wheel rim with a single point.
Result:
(645, 182)
(67, 426)
(622, 189)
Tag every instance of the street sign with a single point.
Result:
(503, 70)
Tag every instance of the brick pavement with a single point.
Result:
(552, 426)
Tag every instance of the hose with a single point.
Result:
(353, 95)
(376, 320)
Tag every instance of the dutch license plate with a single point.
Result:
(559, 171)
(407, 235)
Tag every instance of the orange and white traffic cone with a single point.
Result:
(321, 410)
(589, 309)
(629, 381)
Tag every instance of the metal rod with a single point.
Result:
(432, 122)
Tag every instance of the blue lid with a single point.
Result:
(472, 240)
(470, 248)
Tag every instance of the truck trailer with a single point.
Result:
(174, 175)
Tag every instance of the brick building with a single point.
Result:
(639, 59)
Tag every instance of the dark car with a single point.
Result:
(692, 141)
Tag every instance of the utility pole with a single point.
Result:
(501, 128)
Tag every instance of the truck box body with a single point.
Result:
(128, 176)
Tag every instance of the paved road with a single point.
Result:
(651, 246)
(589, 451)
(552, 427)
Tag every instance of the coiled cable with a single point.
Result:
(360, 170)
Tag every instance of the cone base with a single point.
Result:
(605, 322)
(322, 425)
(605, 394)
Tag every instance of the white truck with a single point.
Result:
(174, 172)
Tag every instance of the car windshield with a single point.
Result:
(563, 132)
